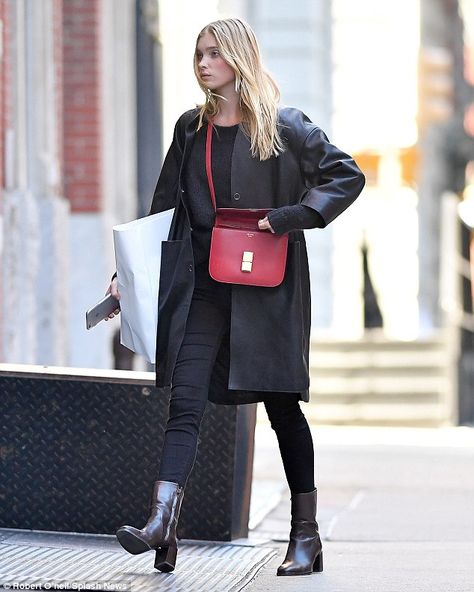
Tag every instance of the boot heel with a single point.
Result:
(165, 558)
(318, 563)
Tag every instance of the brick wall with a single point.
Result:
(58, 78)
(81, 100)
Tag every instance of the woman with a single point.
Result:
(230, 343)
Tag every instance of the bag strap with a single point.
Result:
(209, 163)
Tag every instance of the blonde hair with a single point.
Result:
(258, 92)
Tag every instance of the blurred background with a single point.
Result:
(90, 92)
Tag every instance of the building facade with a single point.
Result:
(90, 92)
(68, 156)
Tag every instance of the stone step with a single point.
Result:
(375, 398)
(376, 381)
(337, 360)
(414, 414)
(377, 344)
(353, 385)
(369, 372)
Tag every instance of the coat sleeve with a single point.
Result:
(332, 177)
(164, 196)
(295, 217)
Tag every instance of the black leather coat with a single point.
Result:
(268, 345)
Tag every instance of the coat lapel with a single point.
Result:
(189, 135)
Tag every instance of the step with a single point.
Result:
(375, 398)
(414, 414)
(377, 344)
(335, 360)
(377, 381)
(369, 372)
(378, 384)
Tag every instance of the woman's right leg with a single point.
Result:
(206, 324)
(205, 328)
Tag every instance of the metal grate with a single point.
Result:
(210, 567)
(81, 455)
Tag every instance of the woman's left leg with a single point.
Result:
(304, 554)
(294, 439)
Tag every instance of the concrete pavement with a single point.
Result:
(396, 514)
(396, 510)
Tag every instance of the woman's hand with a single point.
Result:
(112, 289)
(264, 224)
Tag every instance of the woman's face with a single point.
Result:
(214, 72)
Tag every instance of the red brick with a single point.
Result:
(82, 104)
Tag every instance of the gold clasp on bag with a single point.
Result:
(247, 260)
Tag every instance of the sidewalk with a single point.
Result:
(396, 511)
(396, 514)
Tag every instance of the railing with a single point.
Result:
(456, 299)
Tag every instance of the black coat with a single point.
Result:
(268, 345)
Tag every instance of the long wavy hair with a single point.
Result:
(259, 94)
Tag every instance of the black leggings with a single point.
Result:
(207, 323)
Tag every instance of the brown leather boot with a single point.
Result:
(304, 555)
(159, 532)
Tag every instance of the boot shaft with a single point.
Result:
(304, 506)
(165, 506)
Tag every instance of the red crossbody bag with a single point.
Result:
(240, 252)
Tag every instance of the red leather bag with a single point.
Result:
(240, 252)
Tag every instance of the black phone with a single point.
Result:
(101, 310)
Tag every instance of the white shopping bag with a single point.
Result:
(138, 258)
